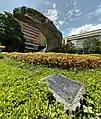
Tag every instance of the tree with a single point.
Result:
(68, 48)
(10, 33)
(92, 45)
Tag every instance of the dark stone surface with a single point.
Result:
(64, 88)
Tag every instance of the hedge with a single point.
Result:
(60, 60)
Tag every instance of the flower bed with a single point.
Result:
(60, 60)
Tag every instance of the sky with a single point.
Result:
(70, 16)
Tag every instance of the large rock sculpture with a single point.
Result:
(46, 26)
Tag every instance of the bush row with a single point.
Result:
(60, 60)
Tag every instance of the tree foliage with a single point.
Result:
(68, 48)
(92, 45)
(10, 32)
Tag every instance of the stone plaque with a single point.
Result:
(65, 90)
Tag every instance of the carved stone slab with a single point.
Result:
(66, 91)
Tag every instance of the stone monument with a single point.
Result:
(45, 25)
(66, 91)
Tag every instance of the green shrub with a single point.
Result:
(1, 56)
(23, 97)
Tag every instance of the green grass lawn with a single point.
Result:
(23, 97)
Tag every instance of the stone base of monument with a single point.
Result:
(66, 91)
(74, 109)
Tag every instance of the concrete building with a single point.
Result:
(79, 38)
(34, 38)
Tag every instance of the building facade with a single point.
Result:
(79, 38)
(34, 38)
